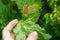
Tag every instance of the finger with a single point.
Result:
(11, 25)
(13, 36)
(32, 36)
(6, 32)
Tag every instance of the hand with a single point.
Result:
(8, 34)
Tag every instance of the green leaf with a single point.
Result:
(21, 3)
(51, 22)
(3, 15)
(27, 28)
(32, 13)
(52, 3)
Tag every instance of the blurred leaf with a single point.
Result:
(27, 28)
(21, 3)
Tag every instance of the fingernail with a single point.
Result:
(35, 33)
(15, 20)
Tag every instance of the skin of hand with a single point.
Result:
(7, 33)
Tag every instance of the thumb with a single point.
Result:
(33, 36)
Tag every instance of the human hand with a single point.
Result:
(8, 34)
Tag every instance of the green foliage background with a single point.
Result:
(49, 14)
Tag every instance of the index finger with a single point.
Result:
(11, 25)
(6, 32)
